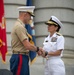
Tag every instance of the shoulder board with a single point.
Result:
(59, 34)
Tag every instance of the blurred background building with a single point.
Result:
(62, 9)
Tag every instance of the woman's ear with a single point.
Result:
(56, 28)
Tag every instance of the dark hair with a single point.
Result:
(58, 28)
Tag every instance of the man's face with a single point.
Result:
(27, 18)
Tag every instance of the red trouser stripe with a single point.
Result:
(19, 65)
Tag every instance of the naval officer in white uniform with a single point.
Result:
(53, 47)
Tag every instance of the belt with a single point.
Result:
(17, 52)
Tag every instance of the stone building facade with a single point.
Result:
(63, 9)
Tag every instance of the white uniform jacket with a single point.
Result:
(56, 42)
(54, 65)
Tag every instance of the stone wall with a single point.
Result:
(64, 10)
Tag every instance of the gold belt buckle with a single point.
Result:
(26, 53)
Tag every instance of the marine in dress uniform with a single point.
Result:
(53, 47)
(19, 61)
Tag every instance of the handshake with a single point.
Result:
(41, 52)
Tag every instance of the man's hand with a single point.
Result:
(44, 53)
(40, 52)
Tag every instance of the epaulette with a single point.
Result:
(59, 34)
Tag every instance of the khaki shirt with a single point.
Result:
(18, 34)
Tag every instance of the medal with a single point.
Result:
(54, 39)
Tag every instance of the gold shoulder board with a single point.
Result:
(59, 34)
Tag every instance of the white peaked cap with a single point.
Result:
(28, 9)
(56, 20)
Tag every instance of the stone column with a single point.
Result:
(64, 10)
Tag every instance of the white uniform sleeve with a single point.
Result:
(60, 42)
